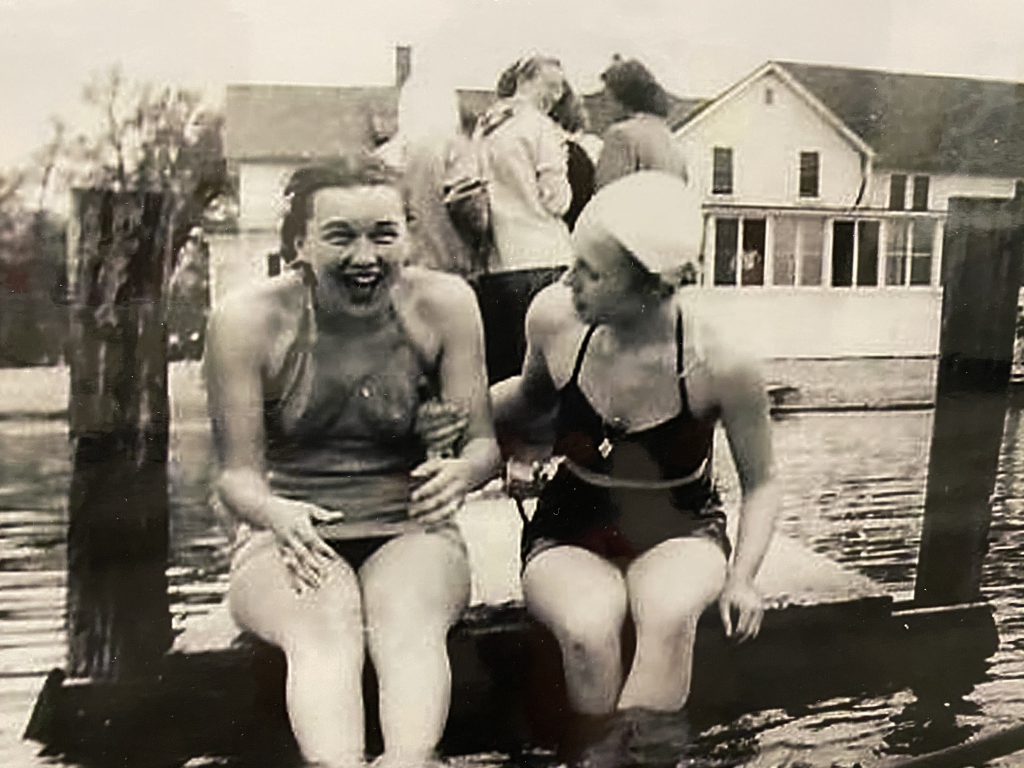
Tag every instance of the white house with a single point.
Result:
(824, 197)
(823, 190)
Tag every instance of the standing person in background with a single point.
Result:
(643, 139)
(432, 151)
(526, 167)
(570, 113)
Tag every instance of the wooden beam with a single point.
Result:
(982, 251)
(117, 606)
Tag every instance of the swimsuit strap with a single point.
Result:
(581, 352)
(684, 398)
(679, 343)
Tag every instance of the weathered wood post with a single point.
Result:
(117, 605)
(982, 252)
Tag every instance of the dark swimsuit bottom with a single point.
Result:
(355, 552)
(621, 523)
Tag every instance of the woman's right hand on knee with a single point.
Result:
(306, 555)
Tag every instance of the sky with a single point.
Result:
(50, 48)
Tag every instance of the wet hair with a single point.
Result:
(345, 173)
(524, 69)
(633, 86)
(569, 111)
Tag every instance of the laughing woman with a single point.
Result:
(319, 384)
(631, 523)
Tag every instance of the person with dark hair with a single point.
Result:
(525, 167)
(350, 413)
(570, 113)
(630, 522)
(641, 139)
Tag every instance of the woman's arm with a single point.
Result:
(744, 407)
(234, 353)
(552, 169)
(455, 316)
(521, 403)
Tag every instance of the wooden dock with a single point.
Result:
(828, 631)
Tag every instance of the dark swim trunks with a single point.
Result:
(355, 552)
(621, 523)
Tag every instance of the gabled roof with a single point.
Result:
(299, 122)
(922, 122)
(705, 110)
(292, 122)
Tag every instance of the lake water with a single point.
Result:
(854, 490)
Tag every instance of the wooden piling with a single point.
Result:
(983, 248)
(118, 266)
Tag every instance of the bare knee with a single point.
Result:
(413, 592)
(590, 626)
(580, 599)
(669, 591)
(328, 619)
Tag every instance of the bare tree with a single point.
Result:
(152, 139)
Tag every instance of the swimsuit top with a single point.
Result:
(677, 447)
(343, 436)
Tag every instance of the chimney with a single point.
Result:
(403, 64)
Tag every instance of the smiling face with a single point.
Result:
(355, 244)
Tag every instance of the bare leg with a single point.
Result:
(669, 588)
(414, 589)
(581, 598)
(321, 634)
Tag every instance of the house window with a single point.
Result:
(854, 253)
(726, 238)
(811, 249)
(920, 201)
(739, 251)
(867, 253)
(752, 272)
(797, 246)
(897, 192)
(842, 253)
(897, 236)
(922, 243)
(784, 253)
(809, 167)
(769, 96)
(721, 180)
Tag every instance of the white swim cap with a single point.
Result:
(653, 215)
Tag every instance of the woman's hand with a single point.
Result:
(305, 554)
(444, 484)
(441, 427)
(739, 597)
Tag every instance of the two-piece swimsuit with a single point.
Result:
(618, 493)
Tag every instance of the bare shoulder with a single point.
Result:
(551, 312)
(718, 354)
(440, 296)
(248, 317)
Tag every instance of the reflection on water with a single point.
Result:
(854, 489)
